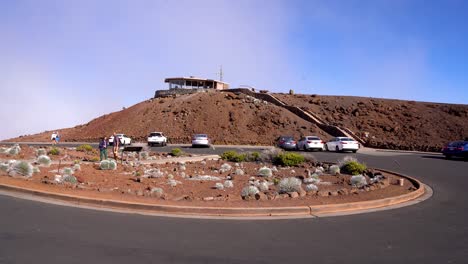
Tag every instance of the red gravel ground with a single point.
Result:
(122, 184)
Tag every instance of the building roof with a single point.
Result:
(192, 78)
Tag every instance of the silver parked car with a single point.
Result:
(286, 142)
(200, 140)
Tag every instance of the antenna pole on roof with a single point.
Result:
(221, 72)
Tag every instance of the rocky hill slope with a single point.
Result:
(227, 119)
(230, 118)
(385, 123)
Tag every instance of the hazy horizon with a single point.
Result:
(66, 63)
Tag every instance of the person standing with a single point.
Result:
(103, 148)
(52, 138)
(116, 146)
(57, 138)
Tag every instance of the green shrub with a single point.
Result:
(288, 159)
(233, 156)
(84, 148)
(276, 181)
(177, 152)
(354, 168)
(253, 156)
(54, 151)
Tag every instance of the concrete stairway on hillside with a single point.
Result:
(304, 114)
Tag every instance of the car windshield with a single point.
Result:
(287, 138)
(313, 138)
(346, 139)
(155, 135)
(454, 144)
(201, 136)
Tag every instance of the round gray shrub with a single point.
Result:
(263, 186)
(172, 182)
(67, 171)
(358, 181)
(219, 186)
(249, 191)
(314, 180)
(108, 164)
(36, 170)
(4, 167)
(225, 168)
(239, 172)
(70, 179)
(43, 160)
(265, 172)
(156, 191)
(144, 155)
(15, 150)
(77, 167)
(21, 168)
(3, 150)
(334, 170)
(228, 184)
(41, 151)
(311, 187)
(290, 184)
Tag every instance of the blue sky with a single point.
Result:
(66, 62)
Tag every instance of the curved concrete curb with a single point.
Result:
(228, 212)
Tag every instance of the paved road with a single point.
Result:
(434, 231)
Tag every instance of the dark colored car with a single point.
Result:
(286, 142)
(456, 149)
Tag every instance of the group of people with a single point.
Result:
(104, 142)
(55, 138)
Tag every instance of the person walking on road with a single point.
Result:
(103, 148)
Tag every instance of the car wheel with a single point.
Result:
(354, 151)
(326, 148)
(448, 156)
(337, 149)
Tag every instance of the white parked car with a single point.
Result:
(340, 144)
(310, 143)
(200, 140)
(124, 140)
(157, 138)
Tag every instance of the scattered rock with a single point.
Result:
(210, 198)
(183, 197)
(323, 193)
(293, 194)
(302, 192)
(261, 196)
